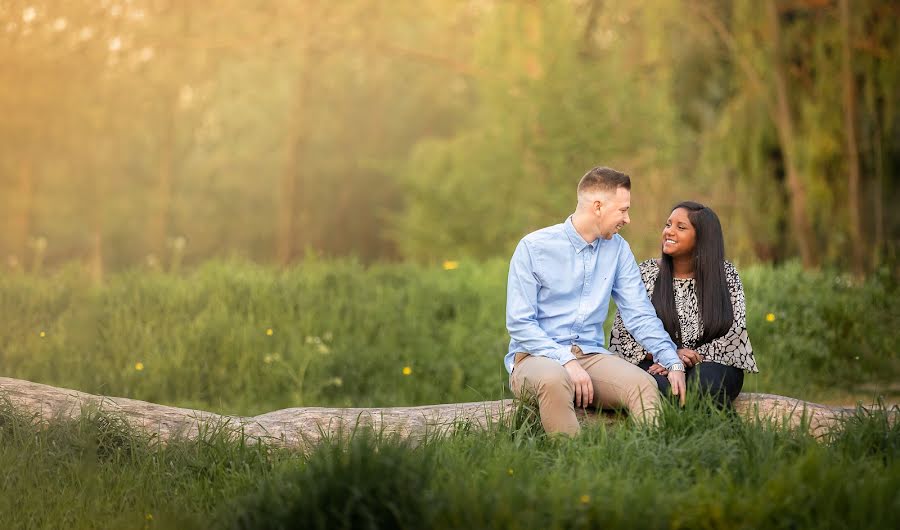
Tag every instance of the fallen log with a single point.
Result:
(300, 427)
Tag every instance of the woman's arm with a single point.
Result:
(733, 348)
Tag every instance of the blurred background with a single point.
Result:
(160, 133)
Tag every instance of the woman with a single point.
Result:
(700, 300)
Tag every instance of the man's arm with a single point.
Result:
(521, 309)
(637, 311)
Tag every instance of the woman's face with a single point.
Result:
(679, 236)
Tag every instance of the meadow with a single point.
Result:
(240, 338)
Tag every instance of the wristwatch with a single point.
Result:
(677, 367)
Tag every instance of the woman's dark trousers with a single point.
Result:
(722, 383)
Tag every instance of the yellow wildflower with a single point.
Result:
(407, 370)
(510, 472)
(450, 265)
(149, 516)
(770, 317)
(139, 366)
(269, 332)
(43, 334)
(585, 499)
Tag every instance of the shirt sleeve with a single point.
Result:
(521, 309)
(638, 314)
(622, 342)
(735, 343)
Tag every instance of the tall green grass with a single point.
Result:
(699, 468)
(343, 334)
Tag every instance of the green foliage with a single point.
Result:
(514, 165)
(699, 468)
(432, 127)
(828, 328)
(364, 483)
(343, 334)
(96, 472)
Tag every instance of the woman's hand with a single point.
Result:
(689, 357)
(658, 369)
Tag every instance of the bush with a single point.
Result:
(246, 339)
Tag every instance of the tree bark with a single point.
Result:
(21, 204)
(784, 125)
(159, 224)
(304, 427)
(590, 27)
(853, 199)
(294, 147)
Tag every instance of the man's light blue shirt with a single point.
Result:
(558, 295)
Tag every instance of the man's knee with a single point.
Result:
(641, 387)
(642, 380)
(543, 377)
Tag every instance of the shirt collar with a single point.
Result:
(575, 238)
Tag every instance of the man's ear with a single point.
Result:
(597, 204)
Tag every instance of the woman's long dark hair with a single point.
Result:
(713, 296)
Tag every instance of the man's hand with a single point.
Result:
(658, 369)
(584, 387)
(676, 381)
(689, 357)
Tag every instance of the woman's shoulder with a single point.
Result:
(730, 269)
(649, 271)
(731, 275)
(649, 265)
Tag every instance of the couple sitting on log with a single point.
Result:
(680, 318)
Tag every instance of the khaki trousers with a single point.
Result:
(617, 384)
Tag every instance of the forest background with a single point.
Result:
(162, 133)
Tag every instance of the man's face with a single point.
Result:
(612, 212)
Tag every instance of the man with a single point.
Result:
(560, 282)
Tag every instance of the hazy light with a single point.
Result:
(115, 44)
(29, 14)
(136, 14)
(115, 10)
(86, 33)
(185, 96)
(146, 54)
(60, 24)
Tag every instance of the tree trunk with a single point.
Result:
(21, 204)
(159, 224)
(294, 147)
(784, 124)
(95, 224)
(590, 27)
(303, 427)
(853, 198)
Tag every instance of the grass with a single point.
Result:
(245, 339)
(699, 468)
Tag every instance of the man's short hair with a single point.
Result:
(603, 179)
